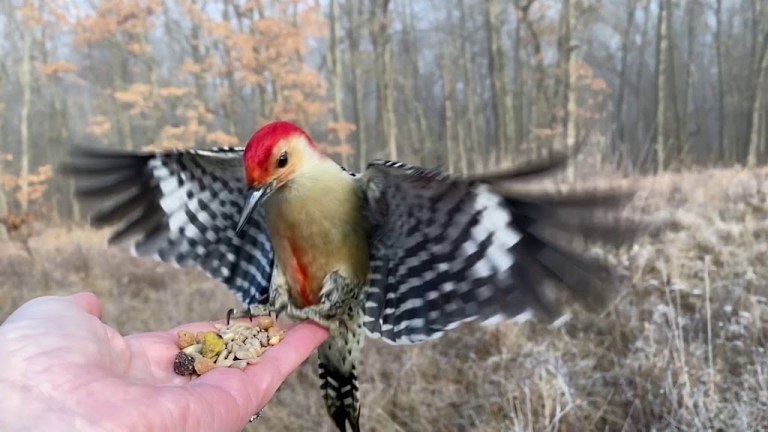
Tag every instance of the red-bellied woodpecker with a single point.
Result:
(398, 252)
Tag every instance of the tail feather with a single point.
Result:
(338, 359)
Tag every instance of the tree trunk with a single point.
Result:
(448, 97)
(571, 107)
(118, 85)
(661, 101)
(336, 76)
(693, 15)
(420, 135)
(3, 201)
(518, 59)
(59, 130)
(567, 75)
(472, 116)
(229, 104)
(564, 61)
(544, 113)
(390, 131)
(672, 85)
(354, 35)
(383, 49)
(3, 215)
(642, 134)
(198, 56)
(25, 78)
(757, 136)
(619, 119)
(497, 73)
(720, 77)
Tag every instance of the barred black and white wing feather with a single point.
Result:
(180, 207)
(447, 250)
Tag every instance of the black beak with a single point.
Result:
(255, 199)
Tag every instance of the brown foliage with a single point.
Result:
(266, 52)
(59, 68)
(37, 185)
(99, 126)
(37, 181)
(112, 19)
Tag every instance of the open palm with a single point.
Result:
(60, 366)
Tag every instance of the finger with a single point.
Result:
(289, 354)
(51, 309)
(252, 388)
(88, 302)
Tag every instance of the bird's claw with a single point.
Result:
(239, 313)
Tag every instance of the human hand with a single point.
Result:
(62, 368)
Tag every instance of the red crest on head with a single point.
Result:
(260, 147)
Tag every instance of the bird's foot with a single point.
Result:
(318, 313)
(250, 312)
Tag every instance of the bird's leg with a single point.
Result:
(278, 301)
(278, 293)
(317, 313)
(252, 311)
(333, 303)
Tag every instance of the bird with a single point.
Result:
(396, 252)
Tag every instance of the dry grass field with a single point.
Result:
(683, 348)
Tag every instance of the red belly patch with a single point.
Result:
(301, 277)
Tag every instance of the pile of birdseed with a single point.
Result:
(234, 345)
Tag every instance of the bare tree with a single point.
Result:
(354, 11)
(671, 82)
(543, 114)
(661, 79)
(567, 75)
(518, 62)
(421, 138)
(25, 78)
(722, 154)
(3, 200)
(757, 136)
(693, 14)
(472, 114)
(643, 138)
(497, 72)
(334, 53)
(384, 75)
(625, 39)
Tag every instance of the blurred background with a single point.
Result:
(673, 93)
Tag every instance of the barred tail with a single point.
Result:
(338, 359)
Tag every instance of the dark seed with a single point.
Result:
(183, 364)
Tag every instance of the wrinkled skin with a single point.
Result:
(62, 368)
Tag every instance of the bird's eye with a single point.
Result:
(282, 160)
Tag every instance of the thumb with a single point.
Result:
(88, 302)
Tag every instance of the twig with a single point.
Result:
(710, 356)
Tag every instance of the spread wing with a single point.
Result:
(179, 207)
(447, 250)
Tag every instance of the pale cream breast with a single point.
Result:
(316, 227)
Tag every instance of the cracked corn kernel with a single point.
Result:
(186, 339)
(203, 365)
(213, 344)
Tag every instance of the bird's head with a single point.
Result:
(274, 154)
